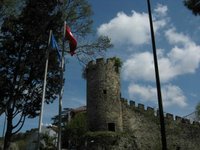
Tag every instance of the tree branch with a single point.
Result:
(15, 113)
(19, 121)
(20, 126)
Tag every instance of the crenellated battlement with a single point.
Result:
(93, 64)
(155, 113)
(100, 61)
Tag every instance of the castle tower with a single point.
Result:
(103, 96)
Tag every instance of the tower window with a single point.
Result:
(111, 126)
(104, 92)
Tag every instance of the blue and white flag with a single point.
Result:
(55, 45)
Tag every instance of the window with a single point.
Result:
(111, 126)
(104, 92)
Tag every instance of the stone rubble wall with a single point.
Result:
(144, 123)
(105, 105)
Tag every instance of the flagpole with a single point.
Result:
(4, 126)
(61, 94)
(44, 91)
(161, 114)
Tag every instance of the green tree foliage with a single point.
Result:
(74, 130)
(64, 115)
(23, 47)
(50, 142)
(193, 5)
(118, 63)
(10, 7)
(198, 111)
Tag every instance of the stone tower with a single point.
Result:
(103, 96)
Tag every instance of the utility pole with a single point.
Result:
(161, 114)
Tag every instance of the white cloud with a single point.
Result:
(177, 38)
(182, 59)
(146, 93)
(160, 18)
(161, 10)
(171, 94)
(132, 29)
(139, 67)
(124, 29)
(185, 55)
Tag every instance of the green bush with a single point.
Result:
(74, 130)
(21, 144)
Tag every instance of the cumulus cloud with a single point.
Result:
(171, 94)
(124, 29)
(177, 38)
(161, 10)
(146, 93)
(182, 59)
(140, 66)
(185, 54)
(132, 29)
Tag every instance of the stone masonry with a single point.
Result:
(107, 111)
(103, 96)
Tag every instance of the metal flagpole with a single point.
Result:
(44, 91)
(61, 94)
(161, 114)
(4, 126)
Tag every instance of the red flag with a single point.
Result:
(72, 41)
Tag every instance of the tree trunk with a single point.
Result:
(11, 106)
(7, 139)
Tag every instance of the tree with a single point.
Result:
(23, 46)
(64, 115)
(49, 142)
(193, 5)
(198, 111)
(10, 7)
(74, 130)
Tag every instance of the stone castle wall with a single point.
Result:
(144, 124)
(104, 106)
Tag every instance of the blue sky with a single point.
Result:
(126, 22)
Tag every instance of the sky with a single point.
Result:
(126, 22)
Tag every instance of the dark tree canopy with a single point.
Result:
(23, 47)
(22, 54)
(193, 5)
(10, 7)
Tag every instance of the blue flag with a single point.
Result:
(54, 45)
